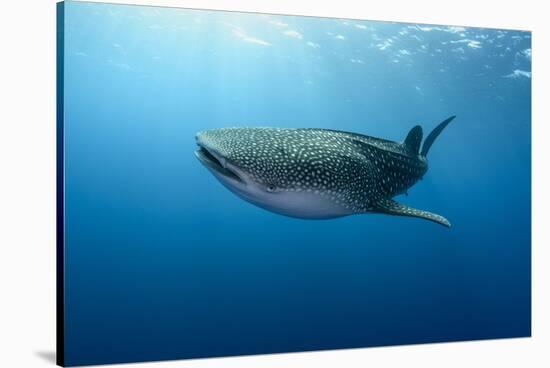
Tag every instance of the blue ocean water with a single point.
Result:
(163, 262)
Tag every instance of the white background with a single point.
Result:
(27, 183)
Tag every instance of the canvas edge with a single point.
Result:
(234, 9)
(60, 195)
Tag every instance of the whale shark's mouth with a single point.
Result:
(211, 160)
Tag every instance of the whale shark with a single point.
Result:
(316, 173)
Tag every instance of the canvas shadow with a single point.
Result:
(48, 356)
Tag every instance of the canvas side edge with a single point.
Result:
(60, 194)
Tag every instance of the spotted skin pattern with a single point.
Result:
(356, 172)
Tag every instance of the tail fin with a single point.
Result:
(433, 135)
(413, 140)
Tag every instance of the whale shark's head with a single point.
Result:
(267, 167)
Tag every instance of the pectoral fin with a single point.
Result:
(392, 207)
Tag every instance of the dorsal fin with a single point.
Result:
(434, 134)
(413, 140)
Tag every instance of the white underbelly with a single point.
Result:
(298, 204)
(303, 204)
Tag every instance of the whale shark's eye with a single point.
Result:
(271, 188)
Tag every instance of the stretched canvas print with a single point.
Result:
(237, 183)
